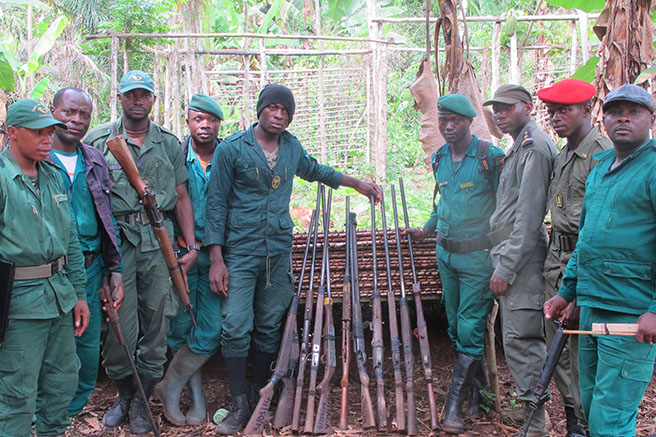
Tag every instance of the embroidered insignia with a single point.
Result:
(466, 185)
(276, 182)
(559, 201)
(528, 139)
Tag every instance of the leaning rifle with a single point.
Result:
(346, 326)
(120, 150)
(115, 321)
(422, 330)
(7, 271)
(541, 386)
(406, 330)
(261, 411)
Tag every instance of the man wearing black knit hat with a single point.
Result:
(249, 232)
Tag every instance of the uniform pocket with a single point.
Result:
(12, 372)
(628, 269)
(285, 222)
(247, 173)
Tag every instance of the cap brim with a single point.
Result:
(40, 124)
(643, 104)
(217, 115)
(503, 100)
(136, 87)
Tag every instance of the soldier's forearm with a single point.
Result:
(184, 214)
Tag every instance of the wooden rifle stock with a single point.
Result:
(120, 150)
(115, 322)
(378, 350)
(346, 329)
(406, 330)
(395, 344)
(368, 417)
(422, 330)
(322, 423)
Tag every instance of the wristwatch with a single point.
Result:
(194, 246)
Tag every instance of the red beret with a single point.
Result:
(567, 92)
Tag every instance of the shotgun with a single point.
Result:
(316, 341)
(406, 330)
(394, 330)
(120, 150)
(368, 418)
(306, 346)
(346, 326)
(115, 322)
(378, 351)
(422, 330)
(261, 411)
(322, 423)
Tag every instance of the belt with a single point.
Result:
(89, 257)
(41, 272)
(136, 218)
(564, 242)
(500, 235)
(463, 246)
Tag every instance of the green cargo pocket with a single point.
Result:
(526, 301)
(285, 221)
(627, 269)
(637, 371)
(12, 373)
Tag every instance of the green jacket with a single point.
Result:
(614, 264)
(248, 204)
(35, 229)
(466, 197)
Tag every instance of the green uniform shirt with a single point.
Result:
(248, 203)
(614, 264)
(522, 199)
(35, 229)
(466, 198)
(161, 166)
(197, 188)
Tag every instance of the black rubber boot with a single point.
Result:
(139, 423)
(119, 411)
(262, 362)
(463, 371)
(478, 383)
(574, 428)
(240, 412)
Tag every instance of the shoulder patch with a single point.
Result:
(528, 139)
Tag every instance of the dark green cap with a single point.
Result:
(32, 115)
(455, 104)
(509, 95)
(136, 79)
(203, 103)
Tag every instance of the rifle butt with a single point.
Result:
(283, 414)
(309, 411)
(433, 406)
(298, 400)
(381, 407)
(343, 410)
(259, 417)
(322, 422)
(400, 407)
(412, 408)
(368, 417)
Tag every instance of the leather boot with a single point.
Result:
(478, 383)
(574, 428)
(183, 365)
(139, 423)
(260, 371)
(463, 371)
(117, 414)
(197, 414)
(237, 418)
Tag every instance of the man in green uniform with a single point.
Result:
(611, 273)
(519, 237)
(149, 301)
(466, 173)
(86, 178)
(38, 366)
(249, 231)
(194, 347)
(569, 107)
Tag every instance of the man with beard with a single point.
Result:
(86, 178)
(611, 272)
(519, 237)
(149, 302)
(193, 347)
(569, 105)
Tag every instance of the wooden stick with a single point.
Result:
(625, 329)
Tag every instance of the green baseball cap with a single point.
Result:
(509, 95)
(203, 103)
(136, 79)
(32, 115)
(455, 104)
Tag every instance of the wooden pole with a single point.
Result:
(113, 67)
(156, 82)
(490, 353)
(323, 145)
(240, 35)
(167, 91)
(263, 64)
(514, 61)
(573, 55)
(175, 112)
(585, 45)
(189, 88)
(496, 56)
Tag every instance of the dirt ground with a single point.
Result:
(88, 423)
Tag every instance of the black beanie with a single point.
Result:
(276, 93)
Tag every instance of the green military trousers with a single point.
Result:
(145, 314)
(206, 308)
(467, 297)
(87, 347)
(259, 292)
(38, 376)
(614, 374)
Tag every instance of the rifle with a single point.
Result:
(307, 320)
(422, 331)
(7, 270)
(378, 351)
(322, 424)
(346, 325)
(541, 386)
(260, 413)
(316, 341)
(406, 330)
(283, 414)
(120, 150)
(115, 321)
(394, 330)
(368, 417)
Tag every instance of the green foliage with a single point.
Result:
(40, 88)
(584, 5)
(587, 72)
